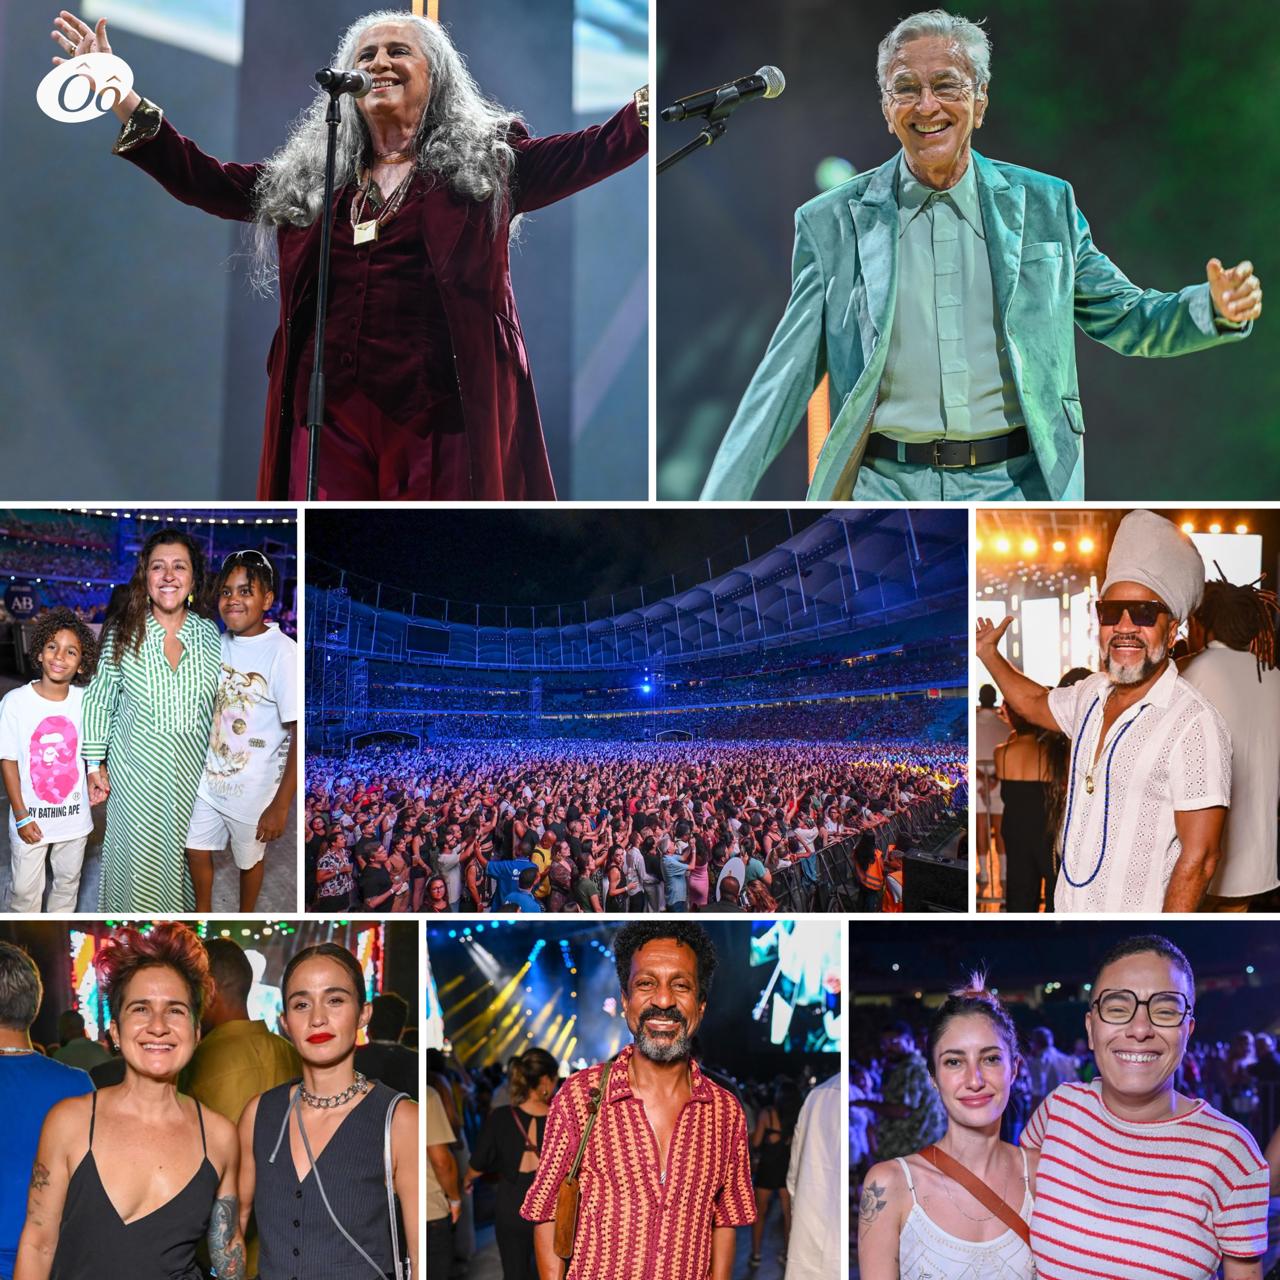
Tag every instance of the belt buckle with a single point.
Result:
(953, 466)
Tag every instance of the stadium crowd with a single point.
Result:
(560, 825)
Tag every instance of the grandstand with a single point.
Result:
(858, 610)
(844, 641)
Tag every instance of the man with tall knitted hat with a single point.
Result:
(1149, 778)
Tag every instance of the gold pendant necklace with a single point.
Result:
(1088, 783)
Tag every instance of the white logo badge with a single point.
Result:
(84, 88)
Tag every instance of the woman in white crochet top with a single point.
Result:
(917, 1222)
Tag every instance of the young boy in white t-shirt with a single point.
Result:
(249, 769)
(49, 818)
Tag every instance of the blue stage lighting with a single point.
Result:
(646, 687)
(453, 933)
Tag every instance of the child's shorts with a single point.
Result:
(212, 830)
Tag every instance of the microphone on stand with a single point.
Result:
(715, 103)
(334, 81)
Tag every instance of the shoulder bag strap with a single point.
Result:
(597, 1095)
(389, 1170)
(980, 1191)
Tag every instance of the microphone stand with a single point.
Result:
(717, 122)
(315, 396)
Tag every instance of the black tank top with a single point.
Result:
(94, 1243)
(296, 1235)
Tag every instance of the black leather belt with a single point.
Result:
(951, 455)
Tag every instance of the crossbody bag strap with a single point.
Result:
(597, 1095)
(979, 1190)
(389, 1171)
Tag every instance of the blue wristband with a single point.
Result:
(18, 825)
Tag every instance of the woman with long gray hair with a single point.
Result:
(428, 389)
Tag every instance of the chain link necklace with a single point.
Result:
(360, 1085)
(13, 1051)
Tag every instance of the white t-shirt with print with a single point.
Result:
(43, 737)
(248, 743)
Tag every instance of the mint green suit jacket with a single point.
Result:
(1047, 277)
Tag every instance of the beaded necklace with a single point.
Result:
(1106, 793)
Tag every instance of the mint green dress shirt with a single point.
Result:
(947, 371)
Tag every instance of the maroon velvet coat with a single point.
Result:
(508, 456)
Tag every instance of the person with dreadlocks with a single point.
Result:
(428, 389)
(1233, 663)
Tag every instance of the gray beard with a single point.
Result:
(674, 1050)
(1121, 674)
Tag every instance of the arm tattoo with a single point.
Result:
(872, 1203)
(225, 1252)
(39, 1176)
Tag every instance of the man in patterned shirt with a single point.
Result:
(666, 1174)
(1135, 1179)
(910, 1111)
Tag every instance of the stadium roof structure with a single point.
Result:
(849, 569)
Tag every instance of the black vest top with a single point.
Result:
(297, 1237)
(94, 1243)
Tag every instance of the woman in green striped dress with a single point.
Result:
(147, 715)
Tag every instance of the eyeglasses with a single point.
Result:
(1142, 613)
(249, 556)
(907, 92)
(1164, 1009)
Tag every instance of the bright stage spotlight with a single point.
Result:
(1030, 546)
(646, 687)
(1215, 527)
(1242, 528)
(1188, 526)
(1003, 546)
(1086, 546)
(1059, 546)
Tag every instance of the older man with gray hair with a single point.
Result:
(1149, 781)
(940, 293)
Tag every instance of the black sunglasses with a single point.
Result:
(1142, 613)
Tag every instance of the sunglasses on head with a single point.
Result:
(1142, 613)
(249, 556)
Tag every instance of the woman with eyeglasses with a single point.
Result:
(1169, 1185)
(147, 714)
(329, 1164)
(129, 1180)
(961, 1207)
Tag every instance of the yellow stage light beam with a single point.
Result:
(485, 988)
(541, 1020)
(449, 986)
(492, 1011)
(567, 1056)
(505, 1043)
(476, 1038)
(557, 1049)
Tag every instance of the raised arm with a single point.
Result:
(549, 169)
(150, 142)
(1113, 310)
(1029, 699)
